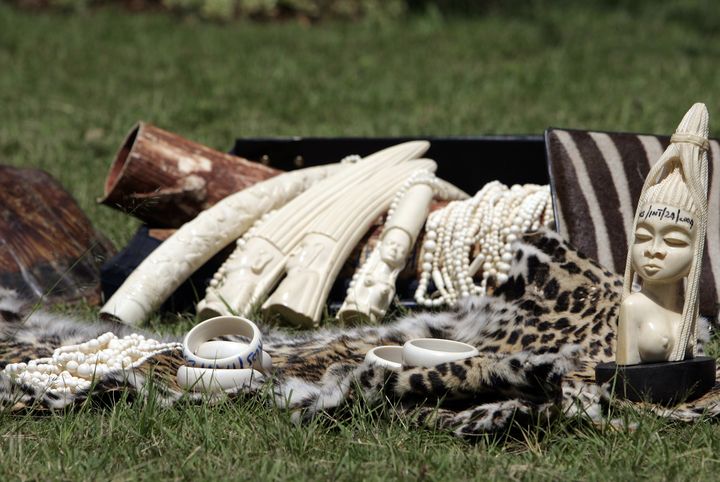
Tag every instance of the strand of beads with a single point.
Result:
(422, 176)
(73, 368)
(487, 223)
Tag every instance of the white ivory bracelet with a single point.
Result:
(210, 380)
(387, 356)
(246, 356)
(428, 352)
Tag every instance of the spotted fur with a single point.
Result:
(539, 335)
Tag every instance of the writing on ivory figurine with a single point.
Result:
(657, 326)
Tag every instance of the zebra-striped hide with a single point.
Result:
(596, 180)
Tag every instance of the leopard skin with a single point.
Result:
(539, 335)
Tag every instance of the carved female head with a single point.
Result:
(664, 237)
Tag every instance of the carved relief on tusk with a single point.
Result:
(316, 260)
(198, 240)
(258, 262)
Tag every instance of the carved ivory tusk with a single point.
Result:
(315, 262)
(198, 240)
(373, 287)
(255, 266)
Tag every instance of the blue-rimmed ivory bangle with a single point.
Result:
(215, 380)
(247, 356)
(222, 349)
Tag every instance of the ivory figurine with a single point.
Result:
(198, 240)
(658, 323)
(314, 264)
(256, 265)
(373, 287)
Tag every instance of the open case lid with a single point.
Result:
(467, 162)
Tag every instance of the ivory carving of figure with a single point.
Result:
(234, 286)
(658, 323)
(306, 267)
(373, 287)
(372, 291)
(341, 226)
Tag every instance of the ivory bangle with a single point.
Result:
(212, 380)
(245, 357)
(223, 349)
(428, 352)
(388, 356)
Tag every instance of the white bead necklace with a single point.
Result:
(422, 176)
(488, 223)
(72, 368)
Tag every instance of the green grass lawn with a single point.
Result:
(71, 86)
